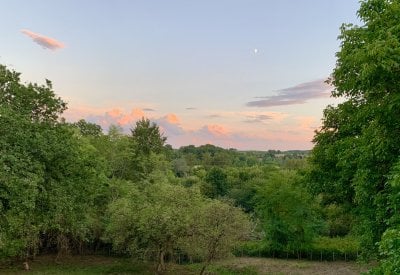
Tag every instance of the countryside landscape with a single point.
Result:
(177, 162)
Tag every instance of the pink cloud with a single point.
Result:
(129, 119)
(44, 41)
(172, 118)
(289, 133)
(115, 113)
(216, 130)
(105, 117)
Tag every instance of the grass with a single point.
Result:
(235, 266)
(81, 265)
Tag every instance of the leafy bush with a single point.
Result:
(323, 248)
(389, 249)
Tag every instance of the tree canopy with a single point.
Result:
(357, 146)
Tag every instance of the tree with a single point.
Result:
(37, 102)
(48, 176)
(147, 137)
(152, 221)
(88, 129)
(147, 148)
(357, 145)
(25, 111)
(218, 184)
(389, 248)
(180, 167)
(287, 213)
(215, 230)
(116, 148)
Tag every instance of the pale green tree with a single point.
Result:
(217, 227)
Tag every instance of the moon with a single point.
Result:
(255, 51)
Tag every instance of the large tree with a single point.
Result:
(48, 175)
(147, 137)
(153, 220)
(147, 152)
(34, 101)
(289, 217)
(357, 146)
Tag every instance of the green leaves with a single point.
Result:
(36, 102)
(288, 215)
(49, 176)
(389, 250)
(147, 137)
(358, 144)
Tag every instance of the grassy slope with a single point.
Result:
(248, 266)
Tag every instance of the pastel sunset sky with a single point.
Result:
(247, 74)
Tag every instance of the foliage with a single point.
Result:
(389, 250)
(88, 129)
(348, 244)
(48, 176)
(162, 217)
(147, 137)
(209, 155)
(217, 185)
(152, 221)
(35, 102)
(339, 219)
(180, 167)
(147, 148)
(289, 218)
(215, 231)
(321, 248)
(357, 145)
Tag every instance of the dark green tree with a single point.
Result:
(287, 212)
(147, 152)
(37, 102)
(48, 176)
(88, 129)
(147, 137)
(217, 183)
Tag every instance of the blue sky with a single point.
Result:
(244, 74)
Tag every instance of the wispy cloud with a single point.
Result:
(149, 110)
(214, 116)
(249, 116)
(298, 94)
(214, 130)
(191, 108)
(258, 118)
(44, 41)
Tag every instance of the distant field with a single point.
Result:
(241, 265)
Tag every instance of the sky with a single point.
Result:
(241, 74)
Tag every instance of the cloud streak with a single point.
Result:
(258, 118)
(298, 94)
(44, 41)
(214, 116)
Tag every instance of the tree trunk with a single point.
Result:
(161, 263)
(203, 269)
